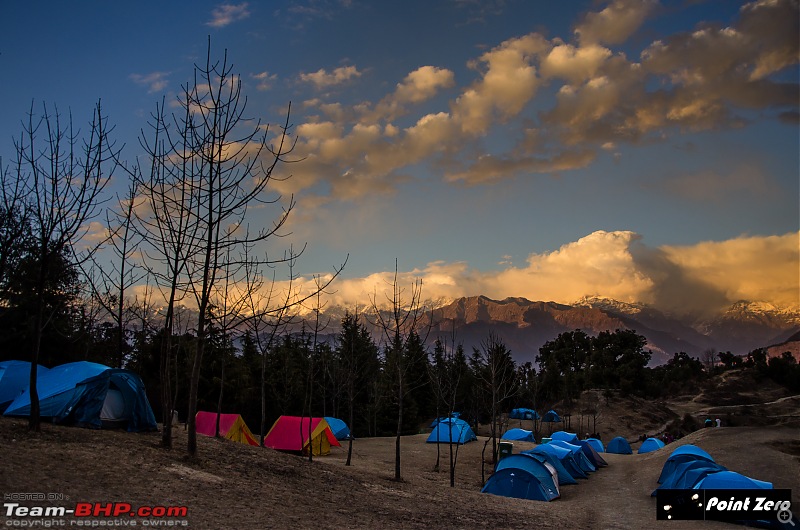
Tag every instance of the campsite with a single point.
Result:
(234, 485)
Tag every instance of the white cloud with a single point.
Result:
(696, 279)
(324, 79)
(507, 85)
(418, 86)
(264, 80)
(615, 23)
(225, 14)
(575, 65)
(154, 81)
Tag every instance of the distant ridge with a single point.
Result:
(526, 325)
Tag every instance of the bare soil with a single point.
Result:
(234, 486)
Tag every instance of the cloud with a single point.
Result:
(706, 79)
(322, 79)
(688, 280)
(417, 87)
(746, 268)
(489, 168)
(615, 23)
(225, 14)
(154, 81)
(508, 83)
(576, 65)
(264, 80)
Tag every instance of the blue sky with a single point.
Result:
(622, 148)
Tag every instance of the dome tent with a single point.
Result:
(564, 476)
(339, 428)
(453, 430)
(684, 453)
(619, 446)
(14, 379)
(564, 456)
(596, 444)
(650, 445)
(90, 395)
(518, 435)
(523, 477)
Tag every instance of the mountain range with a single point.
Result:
(524, 325)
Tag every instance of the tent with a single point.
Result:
(451, 429)
(593, 456)
(524, 414)
(91, 395)
(339, 428)
(564, 476)
(435, 422)
(564, 456)
(520, 435)
(291, 433)
(14, 379)
(231, 426)
(596, 444)
(569, 437)
(620, 446)
(684, 453)
(651, 444)
(686, 474)
(523, 477)
(730, 480)
(579, 455)
(551, 416)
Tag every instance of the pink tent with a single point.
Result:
(231, 426)
(290, 433)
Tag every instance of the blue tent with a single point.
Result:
(524, 414)
(578, 454)
(684, 453)
(520, 435)
(620, 446)
(551, 416)
(596, 444)
(564, 456)
(687, 474)
(592, 455)
(435, 422)
(91, 395)
(569, 437)
(730, 480)
(564, 476)
(14, 379)
(651, 444)
(452, 429)
(339, 428)
(523, 477)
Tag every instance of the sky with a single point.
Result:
(633, 149)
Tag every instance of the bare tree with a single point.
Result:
(498, 375)
(445, 377)
(403, 319)
(168, 229)
(14, 219)
(110, 286)
(64, 175)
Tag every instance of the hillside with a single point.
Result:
(233, 486)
